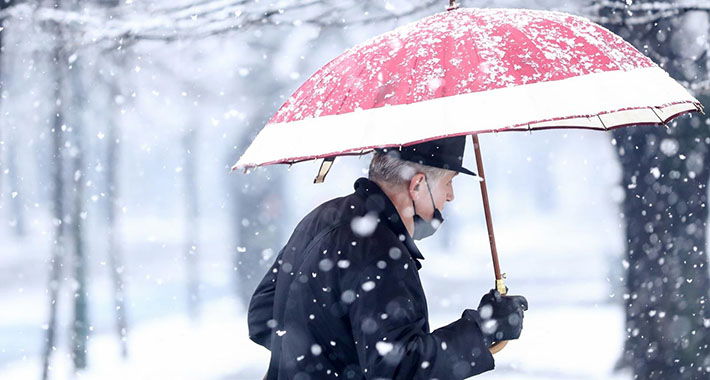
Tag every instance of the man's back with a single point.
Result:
(344, 299)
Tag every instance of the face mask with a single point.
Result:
(423, 228)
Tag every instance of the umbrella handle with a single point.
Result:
(497, 346)
(502, 289)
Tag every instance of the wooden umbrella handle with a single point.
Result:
(499, 277)
(497, 346)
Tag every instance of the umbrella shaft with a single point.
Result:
(487, 209)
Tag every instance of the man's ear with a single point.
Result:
(415, 184)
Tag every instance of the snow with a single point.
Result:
(325, 265)
(669, 146)
(364, 226)
(554, 196)
(383, 348)
(171, 347)
(348, 296)
(368, 285)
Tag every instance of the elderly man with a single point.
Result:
(344, 299)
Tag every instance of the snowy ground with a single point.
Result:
(216, 348)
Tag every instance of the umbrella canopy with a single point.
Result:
(468, 71)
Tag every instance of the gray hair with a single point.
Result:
(387, 168)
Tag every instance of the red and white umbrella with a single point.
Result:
(469, 71)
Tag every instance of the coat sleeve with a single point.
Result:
(389, 322)
(261, 307)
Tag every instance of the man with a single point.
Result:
(343, 298)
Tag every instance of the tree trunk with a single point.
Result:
(667, 278)
(80, 326)
(16, 194)
(58, 209)
(665, 176)
(10, 170)
(112, 77)
(2, 145)
(192, 215)
(115, 252)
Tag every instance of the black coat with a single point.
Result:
(344, 300)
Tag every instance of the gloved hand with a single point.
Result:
(501, 317)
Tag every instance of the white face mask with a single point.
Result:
(422, 227)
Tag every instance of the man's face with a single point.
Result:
(442, 191)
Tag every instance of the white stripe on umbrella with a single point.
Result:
(601, 101)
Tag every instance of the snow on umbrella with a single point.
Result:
(469, 71)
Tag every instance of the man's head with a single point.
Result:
(423, 171)
(418, 180)
(420, 183)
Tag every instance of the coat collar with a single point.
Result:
(377, 201)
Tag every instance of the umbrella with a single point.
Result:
(466, 72)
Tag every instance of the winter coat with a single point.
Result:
(344, 300)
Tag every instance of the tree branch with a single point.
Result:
(199, 19)
(642, 13)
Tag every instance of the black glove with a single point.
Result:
(500, 317)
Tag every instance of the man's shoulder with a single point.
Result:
(332, 213)
(364, 241)
(343, 227)
(348, 220)
(323, 220)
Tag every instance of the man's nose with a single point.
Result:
(450, 196)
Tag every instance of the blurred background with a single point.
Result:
(129, 250)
